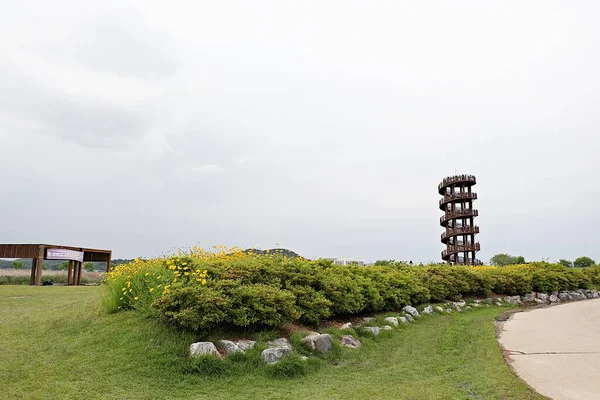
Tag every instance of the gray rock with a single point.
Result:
(543, 296)
(555, 293)
(351, 342)
(275, 354)
(230, 347)
(564, 296)
(489, 300)
(529, 298)
(428, 310)
(404, 320)
(553, 299)
(409, 318)
(514, 300)
(539, 302)
(320, 342)
(373, 329)
(439, 309)
(387, 328)
(245, 344)
(595, 294)
(468, 308)
(203, 348)
(457, 307)
(448, 310)
(589, 294)
(279, 343)
(582, 291)
(461, 303)
(577, 296)
(476, 305)
(367, 319)
(347, 325)
(476, 301)
(412, 311)
(498, 304)
(392, 321)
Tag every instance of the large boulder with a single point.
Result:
(428, 310)
(554, 299)
(461, 303)
(529, 298)
(564, 296)
(514, 300)
(439, 309)
(409, 317)
(595, 294)
(230, 347)
(404, 320)
(351, 342)
(373, 329)
(412, 311)
(387, 328)
(392, 321)
(320, 342)
(347, 325)
(577, 296)
(203, 348)
(544, 297)
(275, 354)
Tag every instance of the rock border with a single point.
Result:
(324, 343)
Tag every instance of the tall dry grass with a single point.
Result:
(11, 276)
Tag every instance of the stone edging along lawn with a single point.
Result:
(323, 343)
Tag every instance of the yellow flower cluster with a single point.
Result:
(142, 281)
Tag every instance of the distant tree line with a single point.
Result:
(506, 259)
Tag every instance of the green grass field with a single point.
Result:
(55, 343)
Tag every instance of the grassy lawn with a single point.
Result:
(55, 343)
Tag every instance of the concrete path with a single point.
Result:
(556, 350)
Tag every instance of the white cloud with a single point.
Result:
(324, 126)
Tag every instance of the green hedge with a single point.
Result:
(269, 291)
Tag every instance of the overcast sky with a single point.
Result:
(323, 126)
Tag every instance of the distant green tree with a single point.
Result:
(384, 263)
(583, 262)
(501, 259)
(64, 266)
(17, 264)
(520, 260)
(89, 267)
(565, 263)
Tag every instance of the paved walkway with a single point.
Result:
(556, 350)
